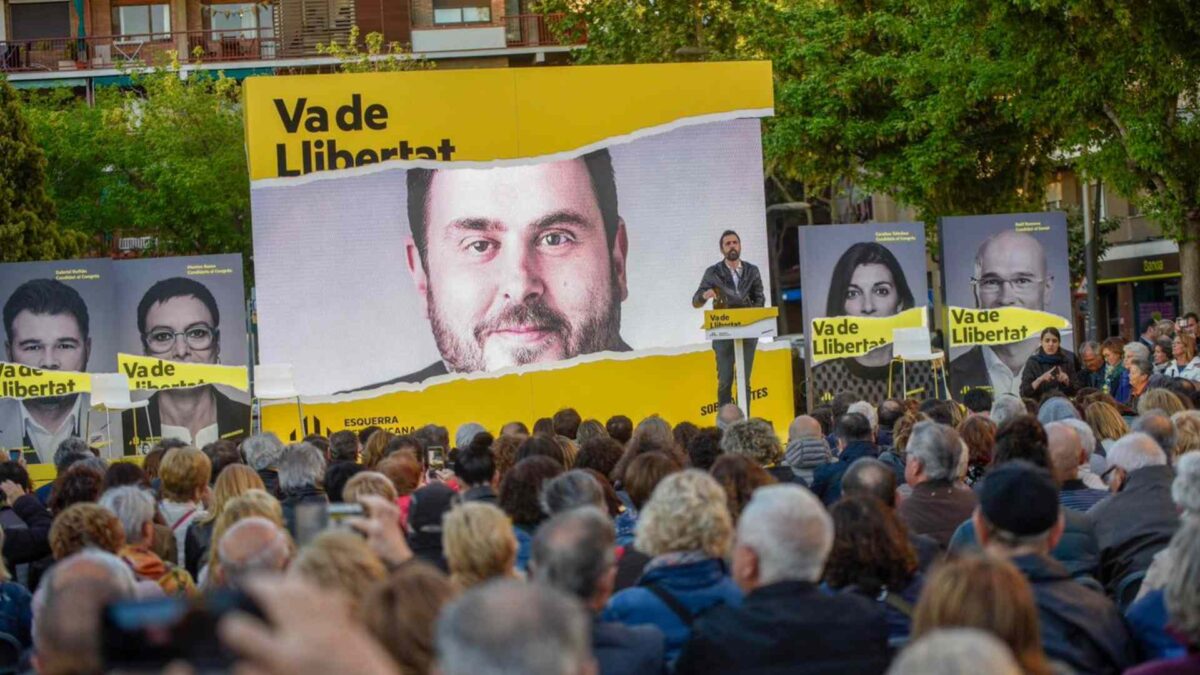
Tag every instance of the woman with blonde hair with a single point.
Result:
(987, 593)
(479, 544)
(1184, 361)
(1160, 399)
(687, 530)
(1187, 431)
(341, 560)
(368, 483)
(376, 448)
(234, 480)
(1106, 421)
(254, 503)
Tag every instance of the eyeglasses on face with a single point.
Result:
(992, 285)
(199, 337)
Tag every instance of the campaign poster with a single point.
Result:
(189, 310)
(1007, 278)
(56, 318)
(862, 281)
(478, 224)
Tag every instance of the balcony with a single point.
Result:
(525, 31)
(132, 51)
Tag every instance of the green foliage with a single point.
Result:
(647, 31)
(165, 159)
(374, 56)
(28, 227)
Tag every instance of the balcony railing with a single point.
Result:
(224, 46)
(532, 30)
(117, 51)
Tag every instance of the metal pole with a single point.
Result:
(1089, 255)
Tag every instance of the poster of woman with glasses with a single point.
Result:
(192, 310)
(1018, 260)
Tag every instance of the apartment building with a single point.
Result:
(83, 43)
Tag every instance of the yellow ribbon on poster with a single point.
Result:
(19, 381)
(150, 373)
(999, 326)
(841, 337)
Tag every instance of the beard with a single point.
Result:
(462, 348)
(732, 255)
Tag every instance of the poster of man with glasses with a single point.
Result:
(1020, 261)
(191, 310)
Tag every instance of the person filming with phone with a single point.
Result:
(1050, 369)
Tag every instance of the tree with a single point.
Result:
(164, 159)
(1125, 87)
(28, 228)
(374, 56)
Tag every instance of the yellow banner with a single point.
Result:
(999, 326)
(149, 373)
(679, 385)
(840, 337)
(296, 125)
(18, 381)
(736, 318)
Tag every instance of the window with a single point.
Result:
(142, 22)
(239, 20)
(460, 11)
(31, 21)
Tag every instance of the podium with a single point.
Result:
(739, 325)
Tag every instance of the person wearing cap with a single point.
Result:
(1019, 517)
(428, 508)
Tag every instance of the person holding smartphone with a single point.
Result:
(1050, 369)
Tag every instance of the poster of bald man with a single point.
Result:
(999, 299)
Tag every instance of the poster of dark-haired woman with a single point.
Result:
(869, 271)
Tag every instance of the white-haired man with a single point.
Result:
(784, 536)
(938, 503)
(1138, 519)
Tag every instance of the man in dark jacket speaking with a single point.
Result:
(730, 284)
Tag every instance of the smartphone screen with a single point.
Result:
(437, 457)
(14, 455)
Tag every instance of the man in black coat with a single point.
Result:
(784, 536)
(731, 283)
(1019, 517)
(574, 552)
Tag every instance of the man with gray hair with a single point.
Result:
(1066, 452)
(807, 449)
(135, 508)
(252, 546)
(1006, 407)
(571, 490)
(755, 440)
(938, 503)
(263, 452)
(514, 628)
(1138, 518)
(1157, 425)
(1095, 464)
(953, 651)
(1091, 374)
(784, 536)
(66, 610)
(574, 552)
(301, 473)
(728, 414)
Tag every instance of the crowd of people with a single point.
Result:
(1016, 535)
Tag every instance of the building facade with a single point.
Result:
(83, 43)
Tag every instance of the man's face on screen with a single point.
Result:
(1012, 272)
(48, 341)
(518, 268)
